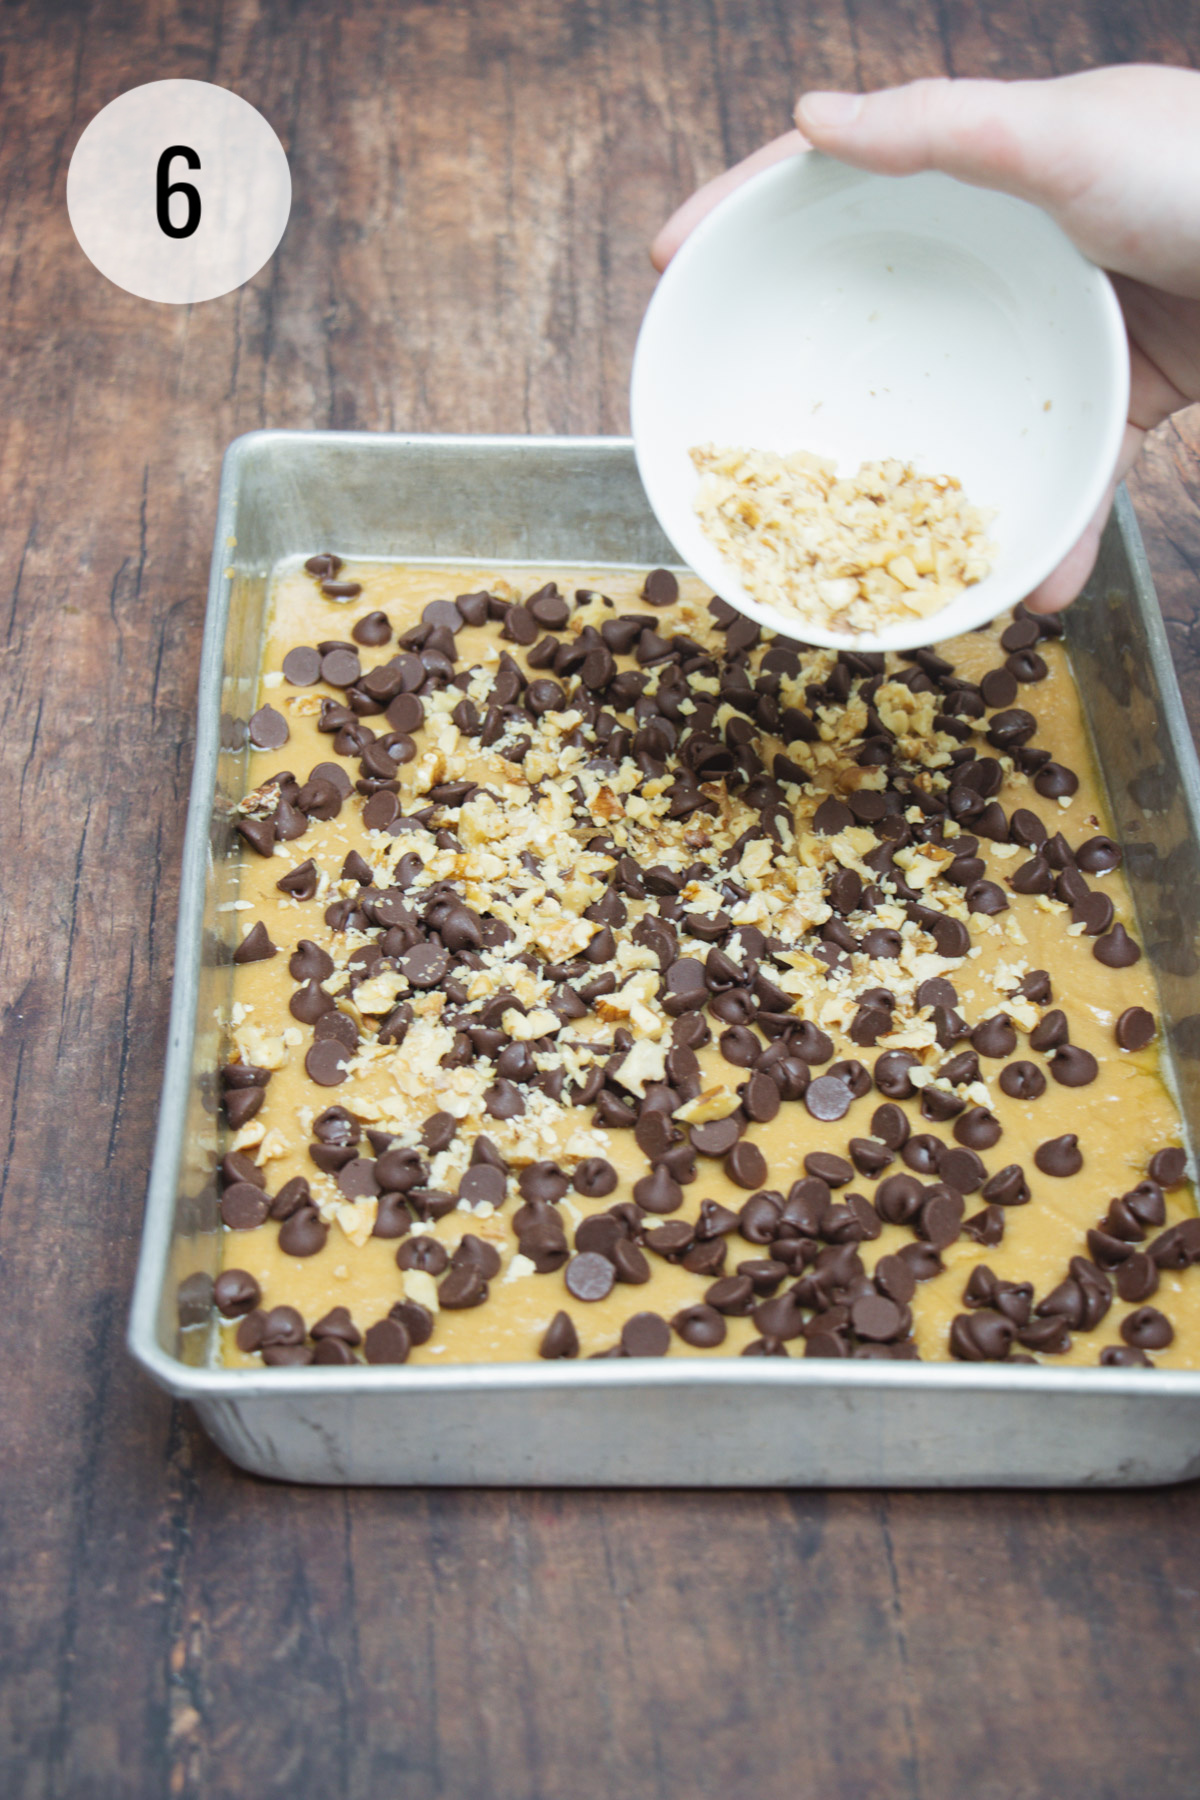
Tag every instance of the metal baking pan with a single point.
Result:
(712, 1422)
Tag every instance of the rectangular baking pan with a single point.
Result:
(694, 1422)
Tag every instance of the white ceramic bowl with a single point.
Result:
(863, 317)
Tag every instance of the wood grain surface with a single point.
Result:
(475, 185)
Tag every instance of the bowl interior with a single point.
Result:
(864, 317)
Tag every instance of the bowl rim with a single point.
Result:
(961, 614)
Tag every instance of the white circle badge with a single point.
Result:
(179, 191)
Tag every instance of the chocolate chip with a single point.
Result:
(876, 1318)
(302, 666)
(1059, 1156)
(645, 1334)
(590, 1276)
(1094, 912)
(995, 1036)
(986, 1227)
(895, 1280)
(244, 1206)
(326, 1062)
(543, 1181)
(291, 1197)
(476, 1253)
(745, 1165)
(300, 882)
(235, 1293)
(1007, 1187)
(463, 1287)
(659, 1192)
(961, 1169)
(1116, 949)
(1073, 1067)
(1168, 1167)
(1135, 1028)
(560, 1339)
(594, 1177)
(281, 1325)
(304, 1233)
(889, 1123)
(898, 1199)
(337, 1323)
(891, 1073)
(256, 946)
(1022, 1081)
(1147, 1329)
(1026, 665)
(827, 1098)
(951, 936)
(984, 1336)
(628, 1261)
(386, 1341)
(340, 668)
(998, 687)
(978, 1129)
(425, 1253)
(760, 1098)
(1055, 781)
(1050, 1032)
(831, 817)
(1136, 1277)
(268, 729)
(660, 588)
(1122, 1356)
(982, 897)
(940, 1219)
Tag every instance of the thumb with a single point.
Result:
(1108, 153)
(979, 131)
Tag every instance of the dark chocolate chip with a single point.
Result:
(463, 1287)
(1059, 1156)
(1147, 1329)
(386, 1341)
(1135, 1028)
(1055, 781)
(268, 729)
(645, 1334)
(827, 1098)
(1007, 1187)
(1022, 1081)
(998, 687)
(995, 1037)
(1116, 949)
(244, 1206)
(1074, 1067)
(560, 1340)
(1168, 1167)
(1123, 1356)
(1136, 1277)
(304, 1234)
(978, 1129)
(590, 1276)
(326, 1062)
(256, 946)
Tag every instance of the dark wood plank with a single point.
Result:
(475, 186)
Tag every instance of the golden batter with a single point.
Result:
(1121, 1118)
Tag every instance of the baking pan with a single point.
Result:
(711, 1422)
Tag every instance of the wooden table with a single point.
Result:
(475, 185)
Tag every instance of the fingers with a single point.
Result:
(976, 130)
(1110, 154)
(1063, 584)
(704, 199)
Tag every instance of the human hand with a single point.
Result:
(1112, 155)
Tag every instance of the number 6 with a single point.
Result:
(164, 188)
